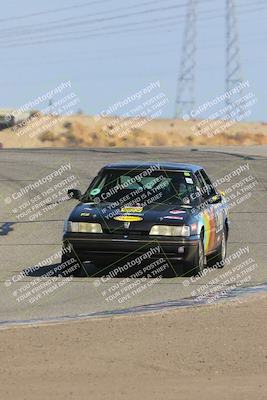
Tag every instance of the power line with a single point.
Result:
(107, 27)
(53, 11)
(107, 12)
(148, 29)
(82, 20)
(81, 5)
(17, 43)
(158, 19)
(154, 49)
(21, 29)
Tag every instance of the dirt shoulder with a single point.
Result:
(216, 351)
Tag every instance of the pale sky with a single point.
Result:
(105, 67)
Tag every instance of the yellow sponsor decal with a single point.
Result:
(132, 209)
(128, 218)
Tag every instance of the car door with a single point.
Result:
(216, 202)
(208, 213)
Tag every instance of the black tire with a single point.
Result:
(198, 264)
(175, 270)
(67, 257)
(220, 254)
(200, 259)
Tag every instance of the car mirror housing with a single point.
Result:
(74, 194)
(217, 198)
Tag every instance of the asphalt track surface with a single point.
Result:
(24, 242)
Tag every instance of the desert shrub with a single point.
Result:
(67, 125)
(48, 136)
(70, 136)
(94, 135)
(35, 113)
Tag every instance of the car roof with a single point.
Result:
(161, 165)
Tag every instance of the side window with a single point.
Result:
(209, 187)
(201, 185)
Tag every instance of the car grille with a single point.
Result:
(128, 232)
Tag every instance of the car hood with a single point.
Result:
(132, 218)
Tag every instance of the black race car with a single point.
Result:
(130, 207)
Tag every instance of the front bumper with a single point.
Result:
(104, 248)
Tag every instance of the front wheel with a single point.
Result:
(199, 262)
(200, 258)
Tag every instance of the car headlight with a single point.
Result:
(170, 230)
(83, 227)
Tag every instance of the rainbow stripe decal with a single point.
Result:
(208, 220)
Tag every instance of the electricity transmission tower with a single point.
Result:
(185, 99)
(233, 64)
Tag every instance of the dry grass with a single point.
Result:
(85, 131)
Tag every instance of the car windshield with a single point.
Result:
(142, 187)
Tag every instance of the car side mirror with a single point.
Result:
(74, 194)
(217, 198)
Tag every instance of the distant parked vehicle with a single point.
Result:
(6, 121)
